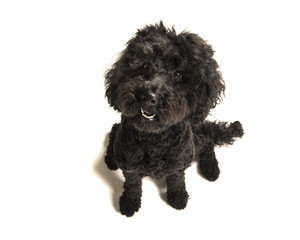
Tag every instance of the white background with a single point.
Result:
(54, 119)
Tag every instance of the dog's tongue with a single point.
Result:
(147, 112)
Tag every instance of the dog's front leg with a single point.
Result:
(177, 195)
(130, 201)
(110, 154)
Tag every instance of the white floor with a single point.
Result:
(54, 121)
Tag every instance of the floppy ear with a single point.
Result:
(207, 78)
(113, 79)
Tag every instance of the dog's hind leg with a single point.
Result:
(109, 158)
(177, 195)
(208, 164)
(130, 201)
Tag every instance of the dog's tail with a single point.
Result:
(221, 133)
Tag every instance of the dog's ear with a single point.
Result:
(207, 78)
(113, 79)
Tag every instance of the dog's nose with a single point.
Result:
(149, 100)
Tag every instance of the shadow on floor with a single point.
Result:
(111, 178)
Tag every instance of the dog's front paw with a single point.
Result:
(110, 163)
(178, 200)
(129, 205)
(237, 129)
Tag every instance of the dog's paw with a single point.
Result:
(177, 200)
(110, 163)
(129, 205)
(209, 170)
(237, 129)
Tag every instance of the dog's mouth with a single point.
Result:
(148, 114)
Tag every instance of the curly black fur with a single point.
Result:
(164, 84)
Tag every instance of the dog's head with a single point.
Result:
(163, 78)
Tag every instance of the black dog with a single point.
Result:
(164, 84)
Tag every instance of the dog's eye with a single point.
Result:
(144, 66)
(176, 74)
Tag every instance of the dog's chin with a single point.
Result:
(148, 121)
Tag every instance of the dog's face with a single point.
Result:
(162, 78)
